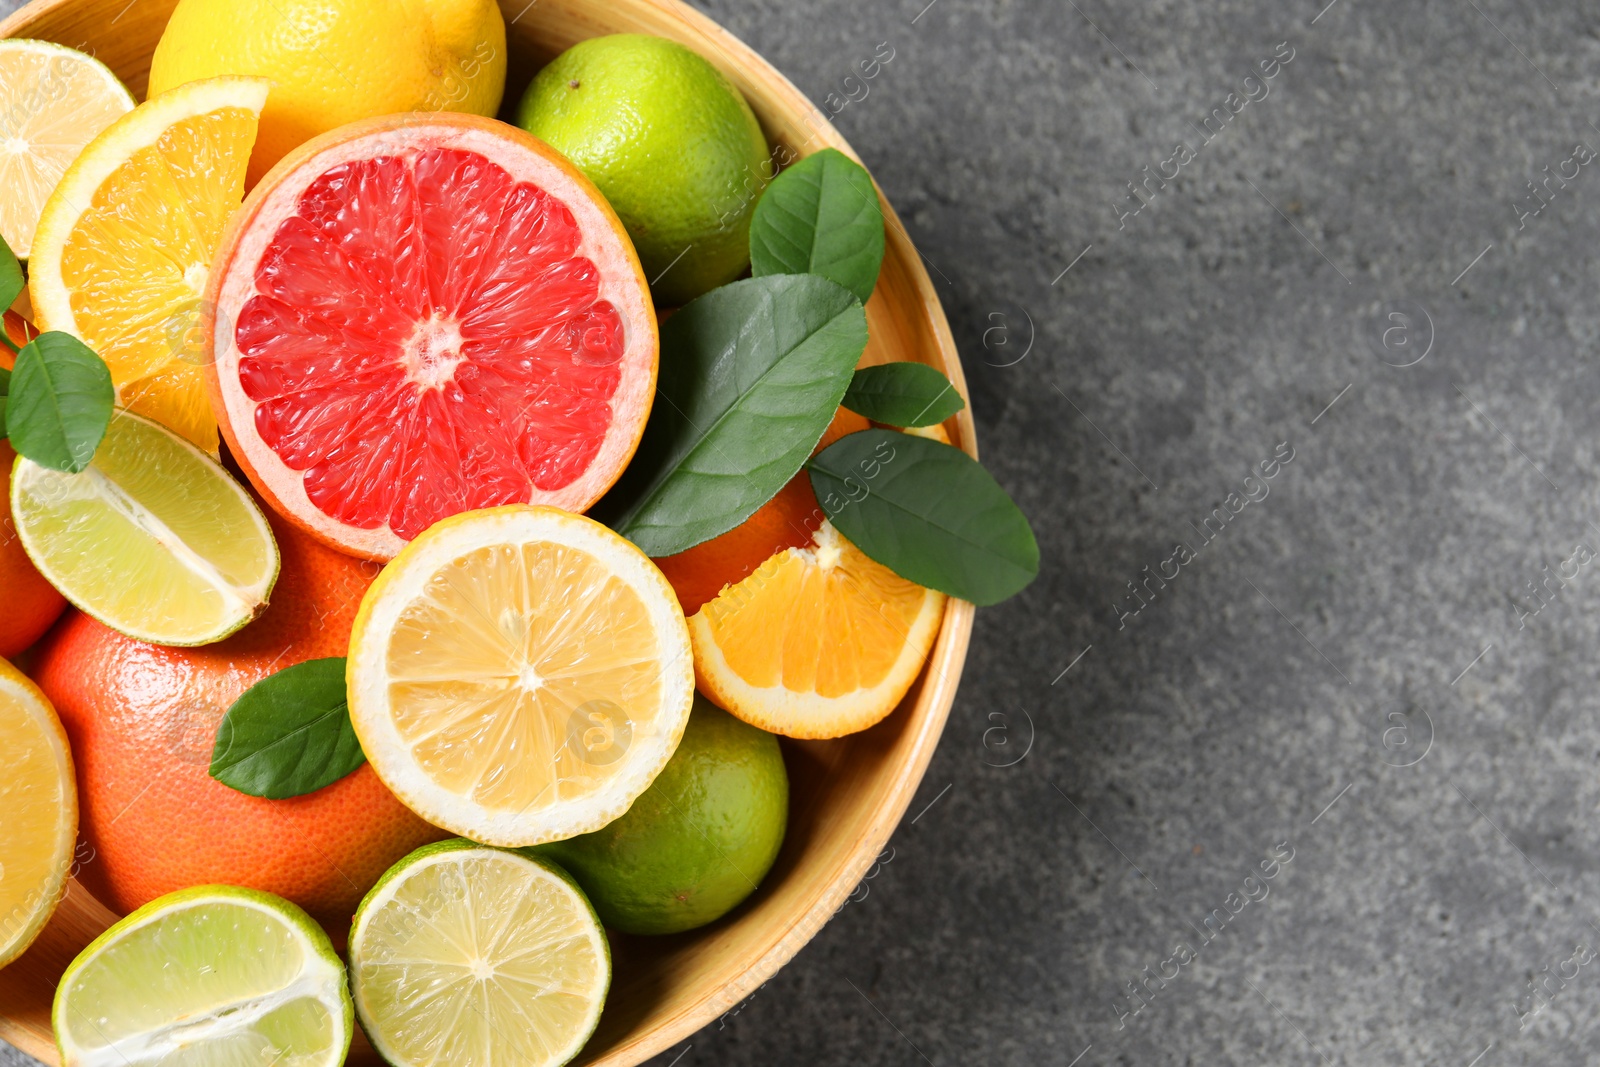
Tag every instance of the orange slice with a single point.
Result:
(788, 520)
(125, 243)
(819, 642)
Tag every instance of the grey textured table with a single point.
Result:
(1349, 686)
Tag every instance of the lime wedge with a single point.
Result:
(154, 539)
(214, 975)
(473, 956)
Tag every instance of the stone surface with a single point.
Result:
(1342, 672)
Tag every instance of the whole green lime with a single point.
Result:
(697, 842)
(672, 145)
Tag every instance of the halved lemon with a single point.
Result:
(154, 539)
(53, 102)
(474, 957)
(819, 642)
(519, 674)
(210, 975)
(125, 243)
(40, 799)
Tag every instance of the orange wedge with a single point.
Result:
(125, 243)
(819, 642)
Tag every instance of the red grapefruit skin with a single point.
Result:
(142, 720)
(420, 315)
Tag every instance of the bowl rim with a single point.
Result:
(773, 97)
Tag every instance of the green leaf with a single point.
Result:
(5, 389)
(59, 402)
(12, 281)
(751, 375)
(289, 734)
(928, 512)
(820, 216)
(903, 394)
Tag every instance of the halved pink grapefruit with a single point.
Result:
(420, 315)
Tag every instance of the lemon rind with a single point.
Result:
(88, 62)
(16, 685)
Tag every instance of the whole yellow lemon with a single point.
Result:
(332, 62)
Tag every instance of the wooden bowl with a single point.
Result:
(847, 795)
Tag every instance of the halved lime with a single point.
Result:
(154, 539)
(210, 975)
(474, 956)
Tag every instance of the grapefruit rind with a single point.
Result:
(527, 159)
(403, 582)
(24, 918)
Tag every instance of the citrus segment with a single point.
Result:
(153, 539)
(53, 102)
(40, 799)
(126, 241)
(818, 642)
(210, 975)
(519, 675)
(475, 956)
(422, 316)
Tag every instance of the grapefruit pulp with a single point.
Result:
(421, 315)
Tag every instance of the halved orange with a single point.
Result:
(125, 243)
(819, 642)
(422, 315)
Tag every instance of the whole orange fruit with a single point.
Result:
(31, 603)
(143, 719)
(786, 521)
